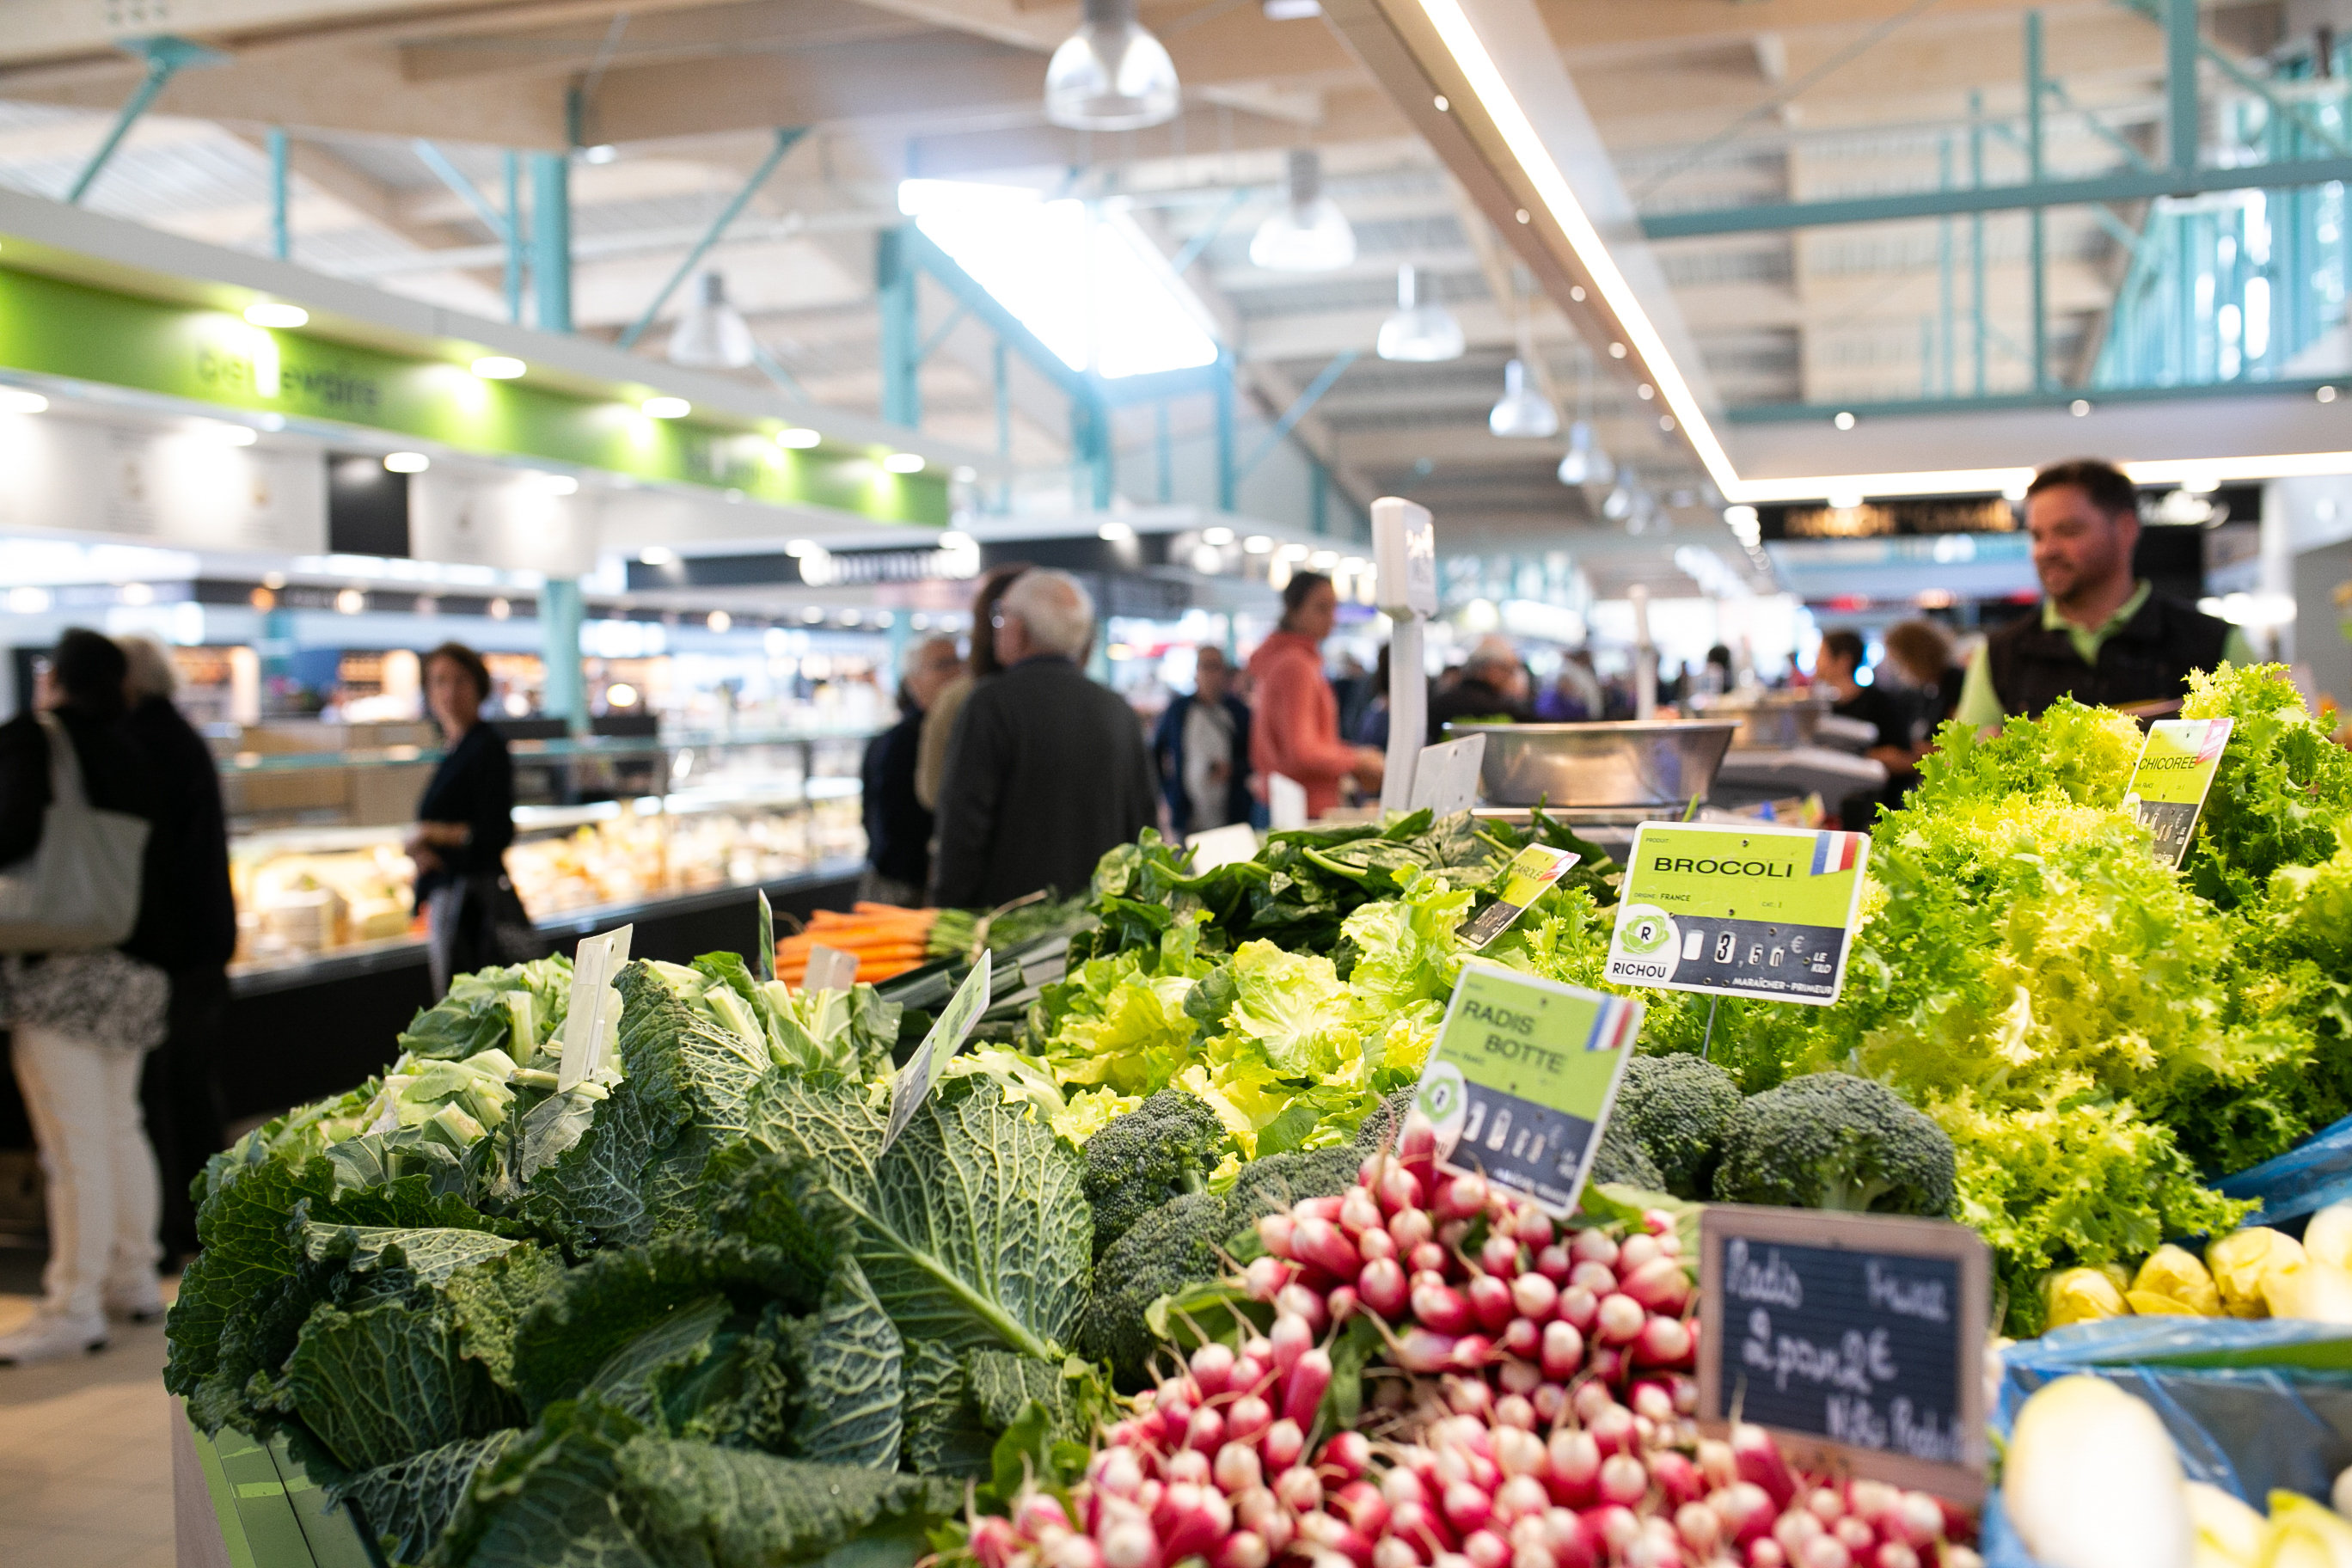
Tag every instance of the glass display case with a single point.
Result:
(606, 827)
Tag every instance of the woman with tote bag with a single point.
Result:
(76, 800)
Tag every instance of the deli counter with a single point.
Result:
(607, 828)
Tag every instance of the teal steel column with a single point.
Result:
(2040, 237)
(1976, 233)
(561, 611)
(1226, 479)
(550, 239)
(1944, 273)
(281, 244)
(1318, 497)
(894, 287)
(1090, 450)
(514, 239)
(2180, 84)
(785, 139)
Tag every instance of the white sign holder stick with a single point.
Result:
(1404, 557)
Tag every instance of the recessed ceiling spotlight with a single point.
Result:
(798, 439)
(2080, 408)
(904, 462)
(16, 400)
(665, 408)
(498, 367)
(1844, 421)
(406, 462)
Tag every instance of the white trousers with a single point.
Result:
(96, 1164)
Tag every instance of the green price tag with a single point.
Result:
(1736, 910)
(1519, 1083)
(1531, 870)
(2175, 772)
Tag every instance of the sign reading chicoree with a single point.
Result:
(51, 326)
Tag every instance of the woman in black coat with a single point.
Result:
(464, 823)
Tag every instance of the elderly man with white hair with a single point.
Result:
(1492, 685)
(1046, 770)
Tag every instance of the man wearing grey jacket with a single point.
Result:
(1046, 770)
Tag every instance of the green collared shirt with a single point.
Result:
(1981, 705)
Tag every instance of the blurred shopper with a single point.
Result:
(1203, 748)
(1574, 697)
(898, 825)
(1893, 714)
(938, 719)
(1294, 726)
(1922, 650)
(1492, 685)
(2101, 635)
(188, 925)
(1372, 728)
(82, 1020)
(464, 824)
(1046, 770)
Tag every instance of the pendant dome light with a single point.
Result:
(1310, 234)
(1618, 504)
(1111, 74)
(1586, 463)
(1522, 413)
(1418, 333)
(712, 334)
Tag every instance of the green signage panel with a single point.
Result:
(1736, 910)
(1519, 1083)
(2175, 773)
(52, 326)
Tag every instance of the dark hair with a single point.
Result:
(1923, 649)
(89, 668)
(466, 659)
(1299, 590)
(1845, 645)
(992, 585)
(2103, 482)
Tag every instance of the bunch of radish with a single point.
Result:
(1207, 1470)
(1476, 1277)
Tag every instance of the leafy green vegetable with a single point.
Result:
(972, 1229)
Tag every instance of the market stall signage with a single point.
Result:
(921, 1074)
(593, 1020)
(2172, 778)
(1739, 910)
(1520, 1080)
(1531, 870)
(49, 326)
(1859, 1338)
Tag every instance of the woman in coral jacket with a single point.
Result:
(1295, 718)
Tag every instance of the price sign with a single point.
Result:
(829, 969)
(1286, 803)
(1858, 1339)
(592, 1020)
(1223, 845)
(1446, 776)
(1521, 1079)
(2174, 774)
(1531, 870)
(921, 1074)
(1739, 910)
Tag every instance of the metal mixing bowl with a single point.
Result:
(1660, 762)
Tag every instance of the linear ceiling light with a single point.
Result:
(2176, 471)
(1552, 189)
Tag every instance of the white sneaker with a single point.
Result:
(138, 1303)
(53, 1338)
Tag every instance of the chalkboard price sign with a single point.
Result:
(1857, 1339)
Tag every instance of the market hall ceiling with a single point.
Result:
(1701, 103)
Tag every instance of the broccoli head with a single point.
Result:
(1163, 1148)
(1171, 1247)
(1621, 1161)
(1677, 1107)
(1832, 1140)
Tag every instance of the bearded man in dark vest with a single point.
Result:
(2101, 636)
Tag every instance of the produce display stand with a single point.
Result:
(2251, 1405)
(238, 1504)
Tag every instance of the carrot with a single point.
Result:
(865, 943)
